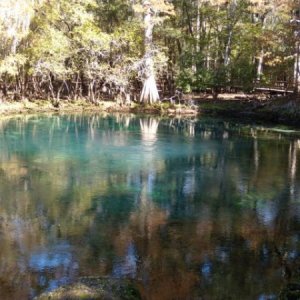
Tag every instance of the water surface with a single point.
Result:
(190, 209)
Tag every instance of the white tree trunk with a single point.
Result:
(198, 28)
(260, 66)
(261, 56)
(149, 93)
(228, 48)
(297, 69)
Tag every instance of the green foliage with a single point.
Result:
(243, 74)
(95, 48)
(202, 78)
(11, 64)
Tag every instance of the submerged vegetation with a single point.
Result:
(145, 50)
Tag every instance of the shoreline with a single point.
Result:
(279, 111)
(45, 106)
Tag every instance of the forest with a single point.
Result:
(145, 50)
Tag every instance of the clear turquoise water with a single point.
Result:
(187, 208)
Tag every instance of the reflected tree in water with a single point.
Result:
(139, 198)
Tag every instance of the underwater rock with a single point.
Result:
(93, 288)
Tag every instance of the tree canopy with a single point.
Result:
(98, 49)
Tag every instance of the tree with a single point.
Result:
(15, 18)
(155, 11)
(149, 92)
(98, 49)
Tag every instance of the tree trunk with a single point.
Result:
(228, 48)
(232, 7)
(198, 27)
(149, 92)
(197, 43)
(261, 56)
(260, 66)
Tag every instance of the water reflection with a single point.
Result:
(149, 128)
(187, 208)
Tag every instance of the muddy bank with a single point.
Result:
(280, 111)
